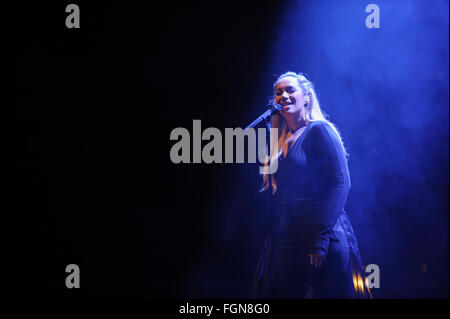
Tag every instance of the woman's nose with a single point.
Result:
(284, 96)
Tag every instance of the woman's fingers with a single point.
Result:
(312, 259)
(315, 260)
(320, 261)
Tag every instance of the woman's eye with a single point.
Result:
(290, 90)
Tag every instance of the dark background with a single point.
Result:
(95, 106)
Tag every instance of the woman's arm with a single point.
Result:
(326, 155)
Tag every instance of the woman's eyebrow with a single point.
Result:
(290, 87)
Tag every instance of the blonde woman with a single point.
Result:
(311, 250)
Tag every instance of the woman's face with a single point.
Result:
(289, 95)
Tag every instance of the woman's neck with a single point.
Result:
(295, 124)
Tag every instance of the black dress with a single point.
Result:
(308, 208)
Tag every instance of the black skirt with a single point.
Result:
(284, 271)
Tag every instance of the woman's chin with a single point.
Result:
(287, 113)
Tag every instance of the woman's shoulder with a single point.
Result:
(319, 123)
(322, 128)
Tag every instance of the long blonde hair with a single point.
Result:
(313, 113)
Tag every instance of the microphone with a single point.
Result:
(275, 109)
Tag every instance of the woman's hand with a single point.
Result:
(316, 259)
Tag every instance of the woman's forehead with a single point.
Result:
(286, 81)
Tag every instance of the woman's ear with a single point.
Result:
(307, 98)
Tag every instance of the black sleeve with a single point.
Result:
(326, 155)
